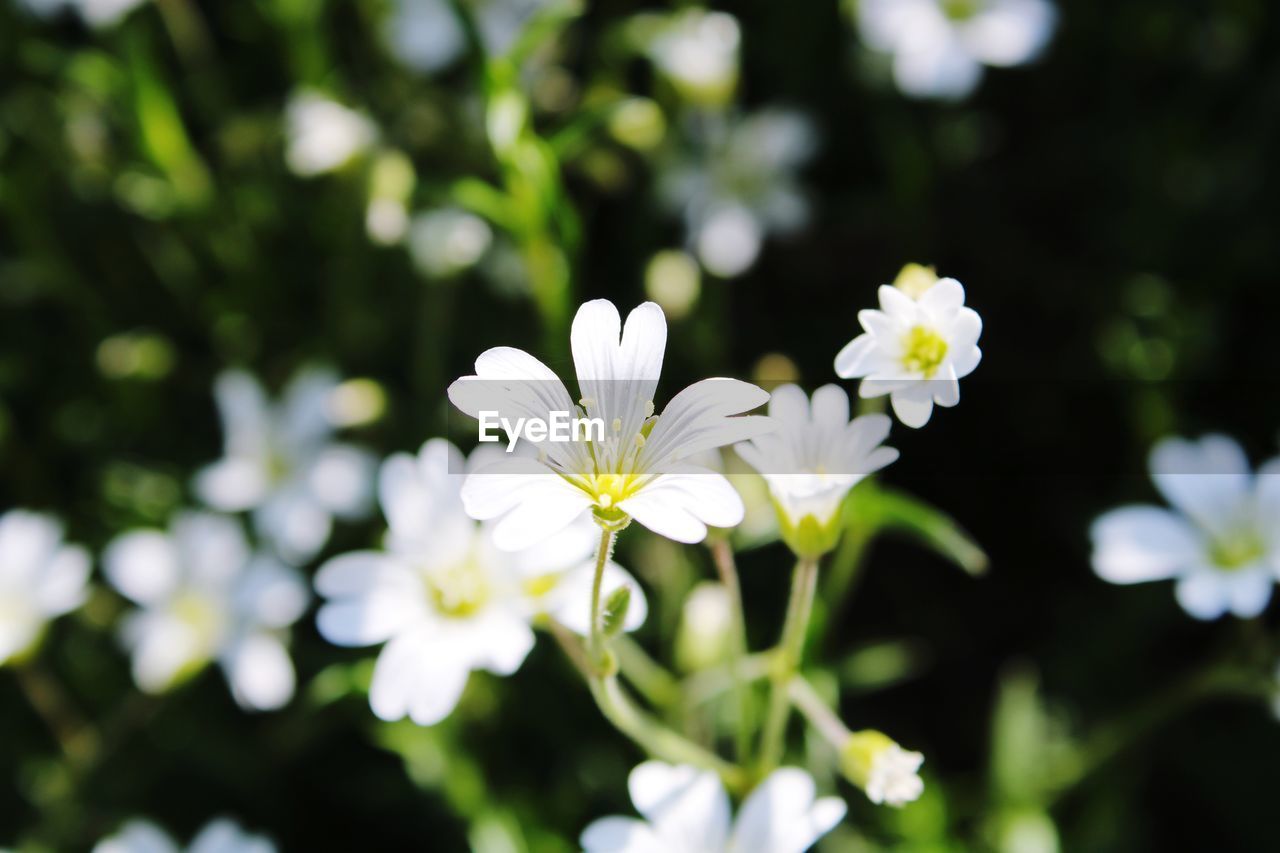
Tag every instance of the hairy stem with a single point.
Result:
(790, 649)
(722, 555)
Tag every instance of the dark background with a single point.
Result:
(1111, 211)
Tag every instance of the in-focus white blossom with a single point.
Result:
(686, 810)
(218, 836)
(939, 47)
(204, 596)
(1220, 541)
(97, 13)
(738, 184)
(915, 349)
(41, 577)
(282, 464)
(697, 50)
(427, 36)
(323, 134)
(887, 773)
(443, 599)
(813, 459)
(641, 469)
(447, 241)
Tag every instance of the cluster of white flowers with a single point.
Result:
(1221, 539)
(443, 597)
(939, 47)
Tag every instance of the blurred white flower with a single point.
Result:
(813, 459)
(323, 134)
(447, 241)
(426, 35)
(940, 46)
(97, 13)
(640, 469)
(705, 636)
(1220, 542)
(386, 220)
(697, 51)
(739, 185)
(40, 578)
(915, 349)
(443, 599)
(218, 836)
(686, 810)
(887, 773)
(282, 464)
(202, 596)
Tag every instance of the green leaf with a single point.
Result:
(886, 509)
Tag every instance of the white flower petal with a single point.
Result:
(686, 806)
(700, 418)
(27, 541)
(913, 405)
(245, 414)
(211, 548)
(618, 367)
(375, 597)
(782, 816)
(942, 300)
(142, 565)
(1249, 591)
(621, 835)
(260, 672)
(417, 678)
(1143, 543)
(233, 484)
(532, 502)
(573, 597)
(855, 358)
(941, 70)
(1209, 479)
(341, 478)
(830, 407)
(1009, 32)
(271, 594)
(1203, 594)
(137, 836)
(295, 524)
(681, 504)
(61, 587)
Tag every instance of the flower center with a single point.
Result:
(923, 350)
(201, 615)
(1237, 552)
(960, 10)
(458, 591)
(537, 587)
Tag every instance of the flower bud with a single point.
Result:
(705, 637)
(615, 610)
(915, 279)
(808, 535)
(885, 771)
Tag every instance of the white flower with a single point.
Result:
(40, 578)
(1220, 542)
(698, 52)
(887, 773)
(323, 134)
(817, 454)
(641, 469)
(443, 599)
(204, 596)
(940, 46)
(915, 349)
(427, 36)
(281, 463)
(218, 836)
(739, 184)
(447, 241)
(705, 636)
(686, 810)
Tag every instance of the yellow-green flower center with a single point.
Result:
(1237, 552)
(201, 615)
(923, 350)
(537, 587)
(960, 10)
(458, 591)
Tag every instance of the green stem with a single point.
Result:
(823, 719)
(77, 739)
(707, 685)
(655, 683)
(790, 650)
(617, 707)
(722, 555)
(655, 738)
(595, 641)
